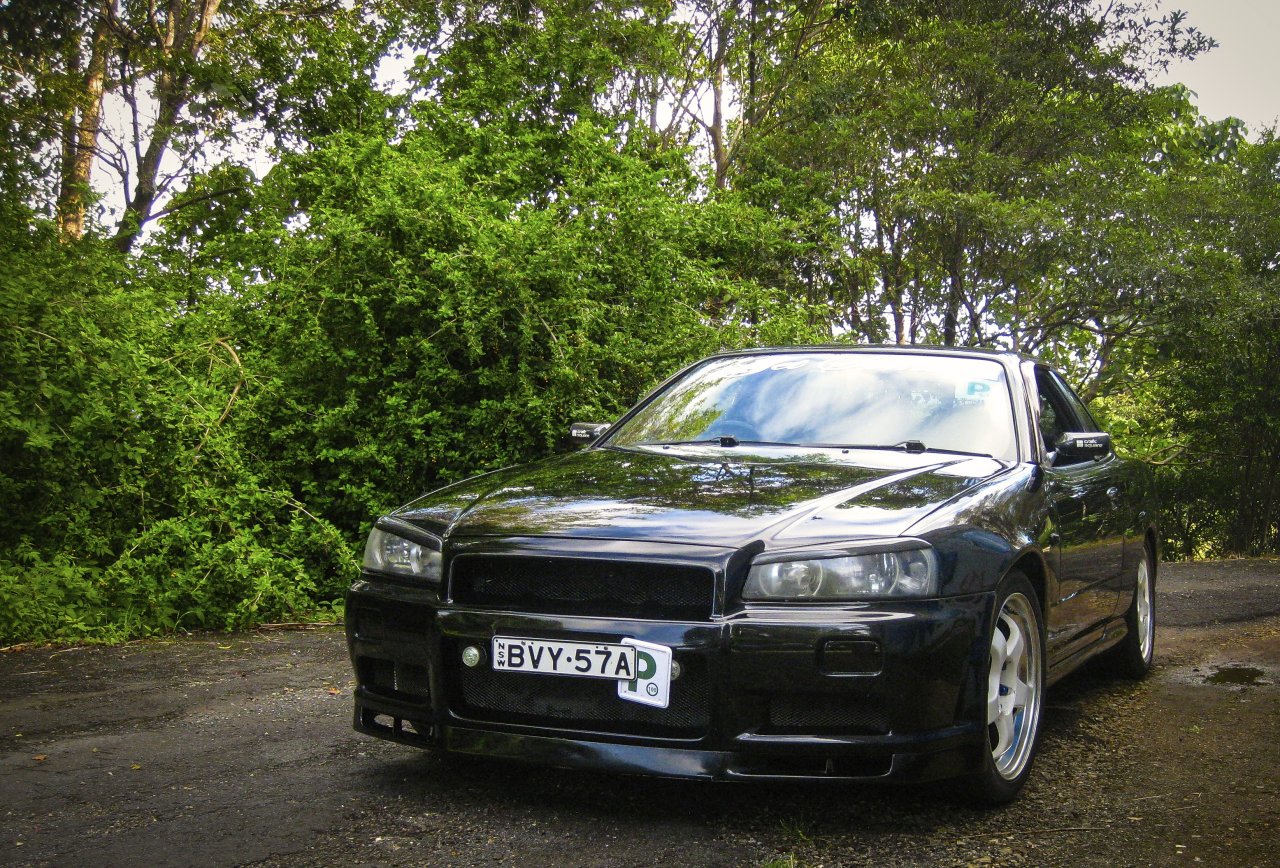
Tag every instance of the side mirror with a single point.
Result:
(583, 433)
(1075, 446)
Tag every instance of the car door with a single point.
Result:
(1083, 498)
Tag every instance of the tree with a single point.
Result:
(1195, 396)
(946, 152)
(180, 79)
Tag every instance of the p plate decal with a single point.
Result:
(652, 685)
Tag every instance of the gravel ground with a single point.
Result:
(228, 750)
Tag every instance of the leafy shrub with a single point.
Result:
(200, 437)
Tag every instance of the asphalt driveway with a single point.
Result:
(228, 750)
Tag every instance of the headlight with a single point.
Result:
(911, 573)
(387, 553)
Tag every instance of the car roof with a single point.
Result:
(905, 349)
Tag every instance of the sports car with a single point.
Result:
(850, 563)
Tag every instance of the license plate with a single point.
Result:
(550, 657)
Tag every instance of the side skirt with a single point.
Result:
(1104, 637)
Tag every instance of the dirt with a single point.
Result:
(229, 750)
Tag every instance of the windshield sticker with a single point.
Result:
(975, 391)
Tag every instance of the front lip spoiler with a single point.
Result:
(939, 754)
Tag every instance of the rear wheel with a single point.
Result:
(1015, 687)
(1132, 657)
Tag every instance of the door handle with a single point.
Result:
(1113, 492)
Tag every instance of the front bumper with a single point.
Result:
(888, 692)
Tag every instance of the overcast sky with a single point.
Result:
(1241, 77)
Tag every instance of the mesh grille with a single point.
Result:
(824, 712)
(402, 681)
(571, 586)
(585, 703)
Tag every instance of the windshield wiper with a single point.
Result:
(913, 447)
(726, 440)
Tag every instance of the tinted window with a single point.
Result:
(1060, 409)
(1083, 418)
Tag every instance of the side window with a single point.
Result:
(1054, 419)
(1060, 409)
(1083, 418)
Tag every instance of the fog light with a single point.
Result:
(471, 656)
(675, 669)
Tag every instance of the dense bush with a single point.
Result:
(201, 436)
(131, 507)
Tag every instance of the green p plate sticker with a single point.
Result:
(975, 391)
(652, 684)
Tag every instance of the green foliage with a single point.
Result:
(430, 312)
(1197, 397)
(544, 222)
(201, 436)
(130, 508)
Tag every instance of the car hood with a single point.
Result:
(705, 495)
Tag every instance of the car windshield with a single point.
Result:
(872, 400)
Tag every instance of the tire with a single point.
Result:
(1015, 677)
(1132, 657)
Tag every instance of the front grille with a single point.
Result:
(585, 703)
(579, 586)
(402, 681)
(822, 712)
(386, 622)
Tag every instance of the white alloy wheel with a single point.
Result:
(1014, 686)
(1132, 656)
(1146, 622)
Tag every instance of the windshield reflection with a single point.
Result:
(834, 399)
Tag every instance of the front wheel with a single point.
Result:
(1132, 657)
(1015, 687)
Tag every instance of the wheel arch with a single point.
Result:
(1151, 540)
(1031, 564)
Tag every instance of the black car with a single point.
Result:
(849, 563)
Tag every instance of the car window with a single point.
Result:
(834, 399)
(1060, 409)
(1051, 422)
(1084, 419)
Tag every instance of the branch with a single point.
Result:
(183, 171)
(117, 161)
(117, 26)
(195, 200)
(1165, 455)
(129, 92)
(230, 401)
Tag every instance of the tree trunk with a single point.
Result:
(955, 294)
(1094, 386)
(719, 152)
(184, 38)
(916, 289)
(81, 130)
(955, 288)
(143, 200)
